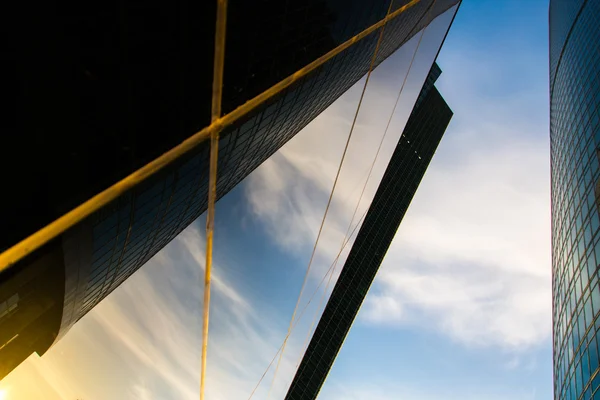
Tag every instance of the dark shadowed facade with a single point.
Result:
(415, 149)
(575, 141)
(97, 90)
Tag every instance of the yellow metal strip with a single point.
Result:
(217, 94)
(60, 225)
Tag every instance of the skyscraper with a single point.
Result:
(415, 149)
(574, 142)
(120, 86)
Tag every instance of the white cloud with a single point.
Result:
(473, 251)
(141, 392)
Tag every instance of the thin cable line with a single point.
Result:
(308, 303)
(363, 190)
(217, 95)
(337, 175)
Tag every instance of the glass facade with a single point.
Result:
(415, 149)
(575, 140)
(122, 85)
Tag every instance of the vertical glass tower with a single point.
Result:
(415, 149)
(121, 85)
(574, 141)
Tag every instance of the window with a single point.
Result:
(7, 306)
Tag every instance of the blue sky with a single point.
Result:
(461, 308)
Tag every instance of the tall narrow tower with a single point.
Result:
(574, 141)
(415, 149)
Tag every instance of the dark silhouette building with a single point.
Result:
(96, 90)
(574, 143)
(415, 149)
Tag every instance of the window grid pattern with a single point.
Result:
(400, 181)
(9, 305)
(133, 229)
(575, 163)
